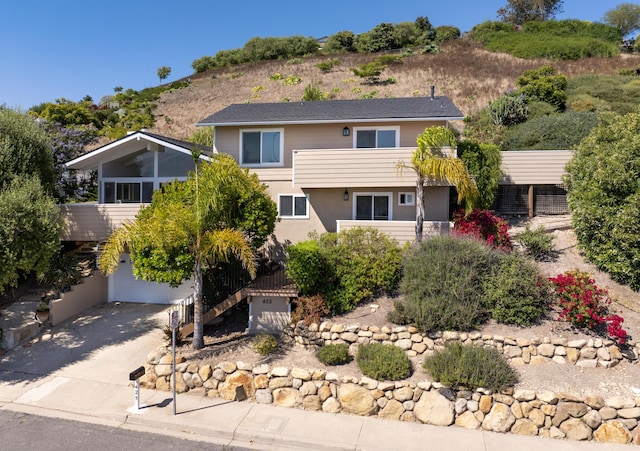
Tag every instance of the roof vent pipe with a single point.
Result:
(433, 90)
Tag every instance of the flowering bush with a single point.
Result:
(585, 305)
(483, 225)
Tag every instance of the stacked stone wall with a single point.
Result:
(524, 412)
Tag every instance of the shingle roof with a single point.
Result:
(332, 111)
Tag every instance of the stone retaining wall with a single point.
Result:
(586, 353)
(525, 412)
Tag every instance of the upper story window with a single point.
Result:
(138, 164)
(261, 147)
(376, 137)
(172, 163)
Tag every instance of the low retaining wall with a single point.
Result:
(524, 412)
(586, 353)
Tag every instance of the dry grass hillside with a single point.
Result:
(468, 75)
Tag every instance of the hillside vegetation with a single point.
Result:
(466, 73)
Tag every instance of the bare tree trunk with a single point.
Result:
(198, 339)
(419, 208)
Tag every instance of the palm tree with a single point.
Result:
(187, 226)
(431, 164)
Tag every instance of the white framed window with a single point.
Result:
(406, 199)
(372, 207)
(376, 137)
(293, 206)
(262, 148)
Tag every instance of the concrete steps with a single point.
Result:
(18, 321)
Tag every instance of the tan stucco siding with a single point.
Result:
(327, 206)
(534, 167)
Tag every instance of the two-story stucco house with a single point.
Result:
(333, 165)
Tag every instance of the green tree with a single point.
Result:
(603, 191)
(220, 212)
(381, 37)
(483, 163)
(544, 84)
(30, 226)
(431, 164)
(625, 17)
(522, 11)
(25, 149)
(341, 42)
(369, 71)
(163, 72)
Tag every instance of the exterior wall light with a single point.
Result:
(346, 131)
(345, 196)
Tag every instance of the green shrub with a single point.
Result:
(508, 109)
(334, 354)
(383, 362)
(365, 262)
(544, 84)
(536, 243)
(516, 293)
(346, 268)
(390, 59)
(308, 268)
(471, 366)
(327, 66)
(446, 33)
(483, 163)
(310, 309)
(312, 93)
(559, 131)
(442, 283)
(264, 344)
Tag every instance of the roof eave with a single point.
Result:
(328, 121)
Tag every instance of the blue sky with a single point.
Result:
(72, 48)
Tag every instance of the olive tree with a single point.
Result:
(521, 11)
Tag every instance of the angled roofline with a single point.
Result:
(396, 109)
(175, 144)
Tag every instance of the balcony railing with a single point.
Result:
(403, 231)
(94, 222)
(340, 168)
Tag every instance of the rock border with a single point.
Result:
(522, 412)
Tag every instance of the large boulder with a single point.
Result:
(499, 419)
(357, 400)
(612, 432)
(433, 408)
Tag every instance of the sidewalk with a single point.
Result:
(70, 375)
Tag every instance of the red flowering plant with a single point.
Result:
(483, 225)
(585, 305)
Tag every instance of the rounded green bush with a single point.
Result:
(334, 354)
(265, 344)
(516, 293)
(471, 366)
(442, 281)
(383, 362)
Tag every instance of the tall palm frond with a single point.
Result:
(115, 246)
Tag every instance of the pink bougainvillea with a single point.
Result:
(483, 225)
(585, 305)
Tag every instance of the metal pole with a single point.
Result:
(137, 393)
(173, 360)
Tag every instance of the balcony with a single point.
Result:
(340, 168)
(94, 222)
(402, 231)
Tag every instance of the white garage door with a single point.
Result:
(124, 287)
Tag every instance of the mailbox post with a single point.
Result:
(174, 320)
(135, 375)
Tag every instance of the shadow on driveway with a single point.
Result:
(80, 338)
